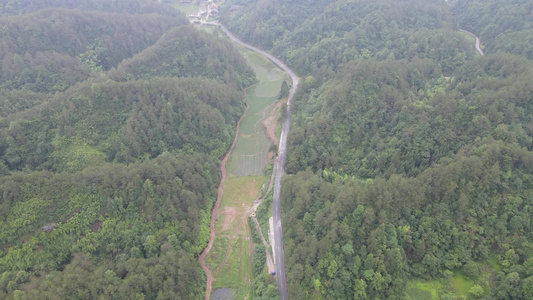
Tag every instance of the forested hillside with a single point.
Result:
(107, 227)
(186, 52)
(503, 25)
(424, 184)
(17, 7)
(51, 49)
(110, 135)
(411, 155)
(316, 37)
(384, 118)
(92, 123)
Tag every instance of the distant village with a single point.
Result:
(208, 8)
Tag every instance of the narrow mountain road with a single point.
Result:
(280, 170)
(478, 41)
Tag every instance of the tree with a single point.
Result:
(476, 291)
(332, 269)
(284, 91)
(360, 289)
(471, 270)
(151, 246)
(527, 288)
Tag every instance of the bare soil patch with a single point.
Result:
(96, 226)
(229, 213)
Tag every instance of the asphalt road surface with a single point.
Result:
(478, 41)
(282, 149)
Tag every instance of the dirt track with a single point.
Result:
(220, 192)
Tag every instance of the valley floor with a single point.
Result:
(230, 259)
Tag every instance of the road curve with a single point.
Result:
(282, 149)
(478, 41)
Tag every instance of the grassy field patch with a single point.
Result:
(230, 257)
(241, 191)
(187, 9)
(208, 29)
(268, 89)
(264, 69)
(236, 271)
(494, 264)
(461, 284)
(218, 253)
(418, 290)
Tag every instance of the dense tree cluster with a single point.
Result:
(13, 101)
(122, 121)
(316, 37)
(384, 118)
(352, 238)
(186, 52)
(122, 217)
(112, 118)
(18, 7)
(51, 49)
(432, 179)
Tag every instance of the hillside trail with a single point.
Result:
(220, 192)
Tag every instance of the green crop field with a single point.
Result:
(218, 252)
(421, 290)
(268, 89)
(250, 152)
(240, 191)
(461, 284)
(187, 8)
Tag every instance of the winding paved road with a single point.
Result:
(478, 41)
(282, 149)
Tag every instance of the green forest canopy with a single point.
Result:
(411, 156)
(18, 7)
(52, 49)
(109, 152)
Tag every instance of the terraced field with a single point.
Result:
(250, 153)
